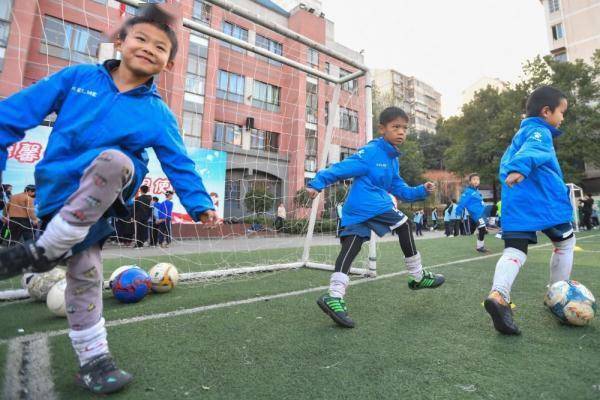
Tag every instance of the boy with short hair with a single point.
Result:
(472, 200)
(534, 198)
(95, 160)
(369, 207)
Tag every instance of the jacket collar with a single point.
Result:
(531, 121)
(148, 88)
(389, 149)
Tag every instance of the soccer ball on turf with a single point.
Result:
(26, 278)
(117, 272)
(40, 284)
(131, 285)
(164, 277)
(56, 299)
(571, 302)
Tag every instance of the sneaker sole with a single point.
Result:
(333, 315)
(493, 309)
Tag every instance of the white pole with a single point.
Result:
(334, 120)
(369, 136)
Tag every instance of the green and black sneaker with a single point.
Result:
(336, 308)
(101, 376)
(429, 281)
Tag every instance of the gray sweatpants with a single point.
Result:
(100, 185)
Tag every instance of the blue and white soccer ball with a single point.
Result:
(131, 285)
(571, 302)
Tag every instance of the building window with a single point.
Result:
(228, 133)
(192, 128)
(326, 113)
(5, 9)
(346, 152)
(195, 78)
(313, 57)
(230, 86)
(71, 42)
(272, 46)
(266, 96)
(233, 191)
(557, 31)
(348, 120)
(349, 86)
(561, 57)
(310, 146)
(201, 12)
(237, 32)
(553, 5)
(264, 140)
(311, 102)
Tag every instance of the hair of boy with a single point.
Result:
(544, 96)
(154, 198)
(153, 15)
(390, 114)
(471, 176)
(144, 189)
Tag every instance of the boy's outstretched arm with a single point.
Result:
(535, 151)
(28, 108)
(182, 174)
(350, 167)
(410, 194)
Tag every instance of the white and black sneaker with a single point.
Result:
(24, 257)
(101, 376)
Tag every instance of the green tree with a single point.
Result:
(259, 200)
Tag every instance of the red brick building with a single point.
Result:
(268, 117)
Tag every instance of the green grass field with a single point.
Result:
(436, 344)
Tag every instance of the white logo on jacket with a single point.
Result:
(84, 91)
(381, 165)
(537, 136)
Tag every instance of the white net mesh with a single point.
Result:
(254, 126)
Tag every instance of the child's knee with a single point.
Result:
(115, 164)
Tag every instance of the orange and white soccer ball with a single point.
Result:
(571, 302)
(56, 299)
(39, 285)
(164, 277)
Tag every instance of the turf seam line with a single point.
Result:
(209, 307)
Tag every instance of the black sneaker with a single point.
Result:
(336, 308)
(482, 250)
(101, 376)
(429, 281)
(501, 313)
(24, 257)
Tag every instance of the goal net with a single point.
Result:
(262, 107)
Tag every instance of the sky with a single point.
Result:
(449, 44)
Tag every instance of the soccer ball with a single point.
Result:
(117, 272)
(131, 285)
(164, 277)
(26, 278)
(39, 285)
(56, 299)
(571, 302)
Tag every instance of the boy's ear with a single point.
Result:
(118, 44)
(380, 127)
(169, 65)
(545, 111)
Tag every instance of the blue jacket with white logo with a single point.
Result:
(541, 200)
(376, 173)
(472, 200)
(94, 116)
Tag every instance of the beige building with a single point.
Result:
(482, 83)
(573, 28)
(421, 101)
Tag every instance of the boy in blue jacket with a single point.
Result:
(534, 198)
(369, 207)
(94, 163)
(472, 200)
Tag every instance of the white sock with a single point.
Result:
(338, 284)
(60, 236)
(507, 268)
(561, 261)
(480, 244)
(89, 343)
(414, 266)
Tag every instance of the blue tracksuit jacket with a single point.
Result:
(376, 173)
(94, 116)
(541, 200)
(472, 200)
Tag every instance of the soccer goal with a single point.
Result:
(262, 107)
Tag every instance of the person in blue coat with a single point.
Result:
(369, 207)
(472, 201)
(418, 221)
(447, 220)
(534, 198)
(107, 115)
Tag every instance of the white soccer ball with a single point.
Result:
(117, 272)
(26, 278)
(164, 277)
(56, 299)
(571, 302)
(40, 284)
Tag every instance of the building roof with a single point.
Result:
(273, 7)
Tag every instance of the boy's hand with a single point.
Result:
(312, 193)
(209, 216)
(430, 187)
(513, 178)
